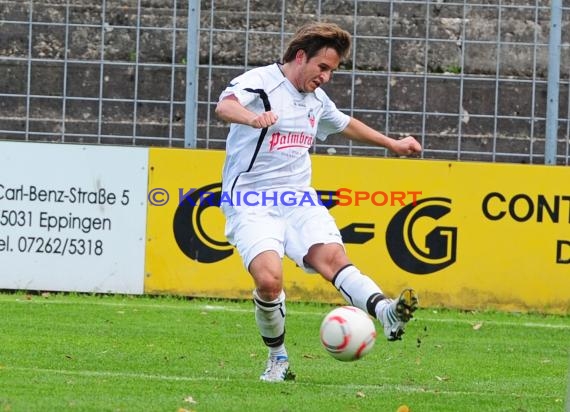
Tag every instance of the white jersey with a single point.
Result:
(276, 158)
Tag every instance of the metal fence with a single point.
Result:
(103, 72)
(468, 78)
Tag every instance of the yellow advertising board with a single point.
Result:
(463, 234)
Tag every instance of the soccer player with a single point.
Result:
(276, 112)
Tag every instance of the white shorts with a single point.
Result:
(287, 230)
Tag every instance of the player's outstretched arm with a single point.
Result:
(231, 110)
(357, 130)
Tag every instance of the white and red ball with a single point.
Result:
(347, 333)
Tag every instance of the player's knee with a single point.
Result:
(327, 259)
(269, 286)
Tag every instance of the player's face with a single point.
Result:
(319, 69)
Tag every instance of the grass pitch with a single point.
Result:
(61, 352)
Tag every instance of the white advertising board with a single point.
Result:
(72, 217)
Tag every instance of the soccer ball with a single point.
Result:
(347, 333)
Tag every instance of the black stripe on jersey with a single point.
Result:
(267, 106)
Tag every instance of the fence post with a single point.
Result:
(192, 59)
(553, 83)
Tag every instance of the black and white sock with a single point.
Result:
(358, 289)
(270, 319)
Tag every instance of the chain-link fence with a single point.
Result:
(467, 78)
(79, 71)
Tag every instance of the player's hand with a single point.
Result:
(407, 146)
(263, 120)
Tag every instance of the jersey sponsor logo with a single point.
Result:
(280, 141)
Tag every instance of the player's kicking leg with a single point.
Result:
(361, 291)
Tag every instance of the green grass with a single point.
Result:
(114, 353)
